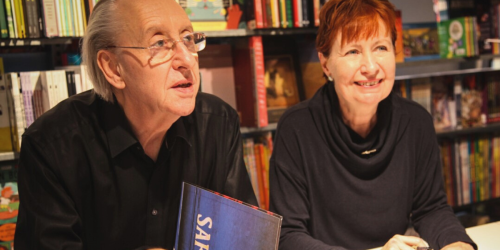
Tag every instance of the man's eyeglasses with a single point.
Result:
(164, 49)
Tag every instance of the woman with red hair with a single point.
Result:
(355, 166)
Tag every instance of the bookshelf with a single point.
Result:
(405, 71)
(454, 133)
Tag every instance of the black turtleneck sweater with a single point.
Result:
(333, 197)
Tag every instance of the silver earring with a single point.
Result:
(330, 79)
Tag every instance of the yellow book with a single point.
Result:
(21, 28)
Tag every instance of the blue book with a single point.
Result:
(209, 220)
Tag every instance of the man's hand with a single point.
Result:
(400, 242)
(458, 246)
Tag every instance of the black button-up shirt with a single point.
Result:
(86, 183)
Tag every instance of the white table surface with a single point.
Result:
(487, 236)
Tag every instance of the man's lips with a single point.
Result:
(183, 84)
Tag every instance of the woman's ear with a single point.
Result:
(324, 65)
(109, 66)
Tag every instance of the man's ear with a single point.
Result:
(109, 66)
(324, 61)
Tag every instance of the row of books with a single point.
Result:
(456, 18)
(25, 96)
(286, 13)
(251, 14)
(459, 101)
(257, 153)
(471, 169)
(44, 18)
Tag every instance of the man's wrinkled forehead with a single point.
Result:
(149, 15)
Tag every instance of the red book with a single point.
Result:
(250, 87)
(259, 17)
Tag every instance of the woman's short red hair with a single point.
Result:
(356, 19)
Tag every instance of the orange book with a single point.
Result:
(260, 178)
(400, 56)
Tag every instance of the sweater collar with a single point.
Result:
(349, 147)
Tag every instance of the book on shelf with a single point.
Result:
(4, 30)
(206, 15)
(399, 46)
(257, 153)
(9, 206)
(421, 89)
(283, 77)
(250, 89)
(493, 98)
(311, 70)
(210, 220)
(420, 41)
(473, 112)
(50, 19)
(217, 73)
(458, 37)
(443, 105)
(281, 85)
(16, 113)
(5, 137)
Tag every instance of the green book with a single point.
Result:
(458, 37)
(4, 31)
(10, 19)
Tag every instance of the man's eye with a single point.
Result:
(189, 38)
(159, 44)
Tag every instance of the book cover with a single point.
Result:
(281, 85)
(310, 68)
(471, 98)
(457, 37)
(206, 15)
(9, 206)
(442, 92)
(217, 73)
(209, 220)
(420, 41)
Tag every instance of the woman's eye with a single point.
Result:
(352, 52)
(384, 48)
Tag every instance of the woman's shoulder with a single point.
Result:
(417, 115)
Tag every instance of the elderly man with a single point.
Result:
(103, 169)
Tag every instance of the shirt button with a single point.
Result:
(154, 212)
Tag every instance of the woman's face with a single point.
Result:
(363, 71)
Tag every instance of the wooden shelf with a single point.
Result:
(247, 130)
(452, 133)
(36, 41)
(260, 32)
(446, 73)
(8, 156)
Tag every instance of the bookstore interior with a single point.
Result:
(448, 61)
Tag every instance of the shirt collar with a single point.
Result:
(120, 135)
